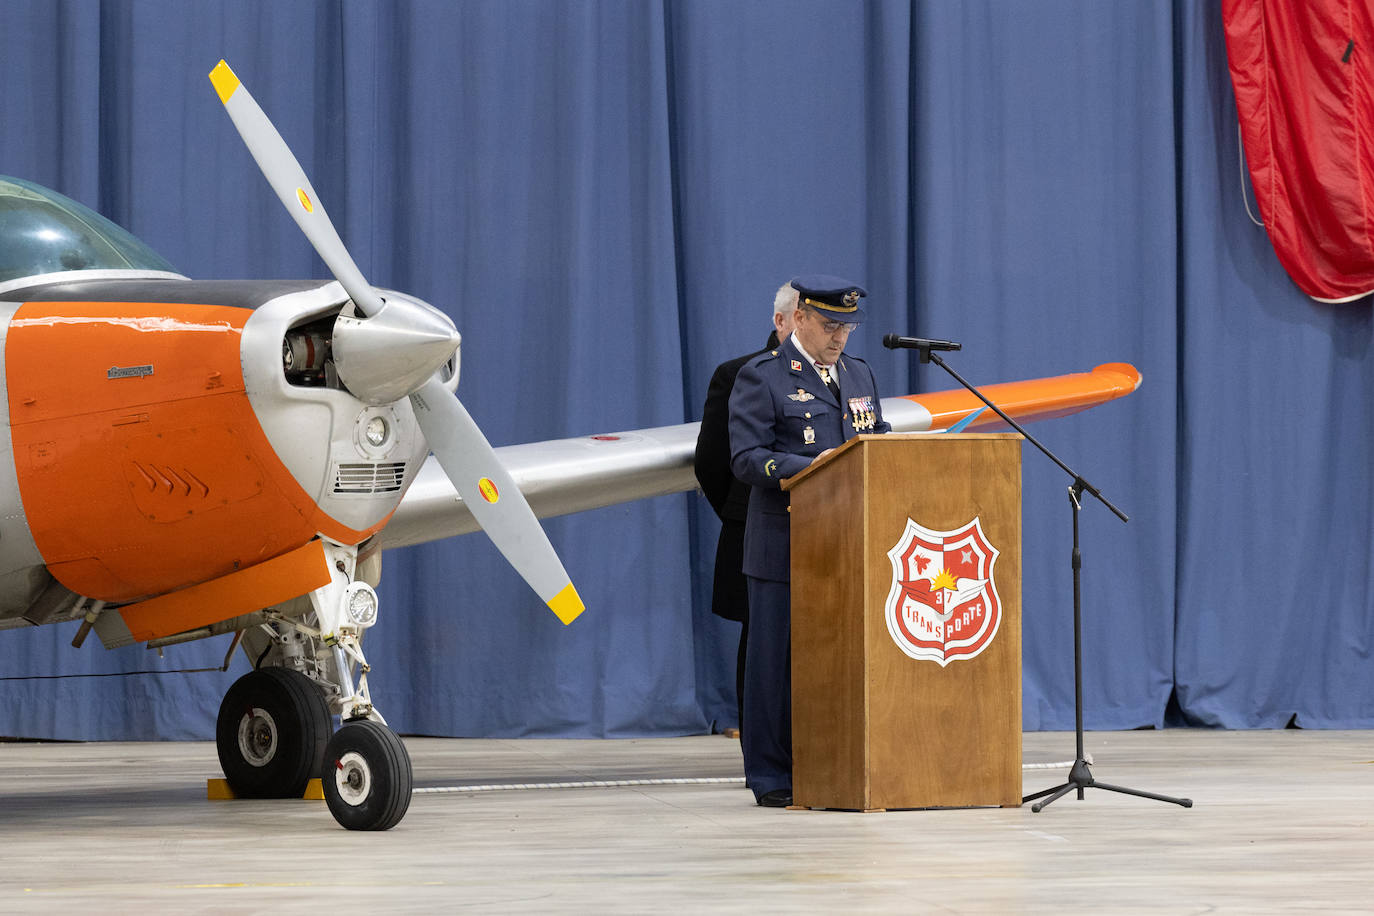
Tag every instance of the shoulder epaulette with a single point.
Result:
(765, 357)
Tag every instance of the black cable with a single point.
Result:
(54, 677)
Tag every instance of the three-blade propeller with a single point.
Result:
(463, 452)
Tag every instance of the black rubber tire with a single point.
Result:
(271, 733)
(367, 777)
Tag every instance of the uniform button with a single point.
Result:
(808, 416)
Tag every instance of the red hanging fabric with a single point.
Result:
(1303, 73)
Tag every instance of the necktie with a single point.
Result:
(829, 381)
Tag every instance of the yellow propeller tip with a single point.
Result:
(567, 604)
(224, 80)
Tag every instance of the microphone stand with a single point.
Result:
(1080, 776)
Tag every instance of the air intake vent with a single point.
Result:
(362, 479)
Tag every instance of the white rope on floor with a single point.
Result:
(627, 783)
(593, 784)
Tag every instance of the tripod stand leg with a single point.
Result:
(1081, 777)
(1185, 802)
(1058, 794)
(1051, 790)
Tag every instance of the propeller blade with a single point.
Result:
(293, 189)
(490, 493)
(463, 452)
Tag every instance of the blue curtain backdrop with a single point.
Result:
(604, 195)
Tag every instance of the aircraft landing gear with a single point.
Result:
(271, 733)
(367, 776)
(274, 726)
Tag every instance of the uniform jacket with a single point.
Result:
(726, 494)
(781, 417)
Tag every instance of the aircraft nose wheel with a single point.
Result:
(367, 777)
(271, 733)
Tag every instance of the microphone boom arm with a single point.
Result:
(1079, 484)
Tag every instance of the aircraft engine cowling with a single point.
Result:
(355, 456)
(184, 413)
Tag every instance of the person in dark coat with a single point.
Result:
(727, 496)
(789, 406)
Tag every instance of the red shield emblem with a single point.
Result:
(943, 604)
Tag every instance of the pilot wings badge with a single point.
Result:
(802, 395)
(943, 605)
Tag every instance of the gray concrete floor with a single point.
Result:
(1283, 822)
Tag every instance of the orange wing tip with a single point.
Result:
(567, 604)
(1131, 373)
(224, 81)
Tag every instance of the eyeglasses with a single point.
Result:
(830, 326)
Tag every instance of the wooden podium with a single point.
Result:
(874, 726)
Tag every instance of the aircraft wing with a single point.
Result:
(588, 472)
(1025, 402)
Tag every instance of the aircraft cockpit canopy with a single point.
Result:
(43, 232)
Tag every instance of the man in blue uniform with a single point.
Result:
(789, 406)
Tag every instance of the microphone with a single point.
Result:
(894, 342)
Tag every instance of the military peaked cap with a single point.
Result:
(832, 297)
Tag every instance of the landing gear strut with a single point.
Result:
(273, 732)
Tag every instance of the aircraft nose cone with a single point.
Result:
(385, 357)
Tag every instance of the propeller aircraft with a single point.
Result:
(230, 457)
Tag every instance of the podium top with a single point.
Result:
(819, 463)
